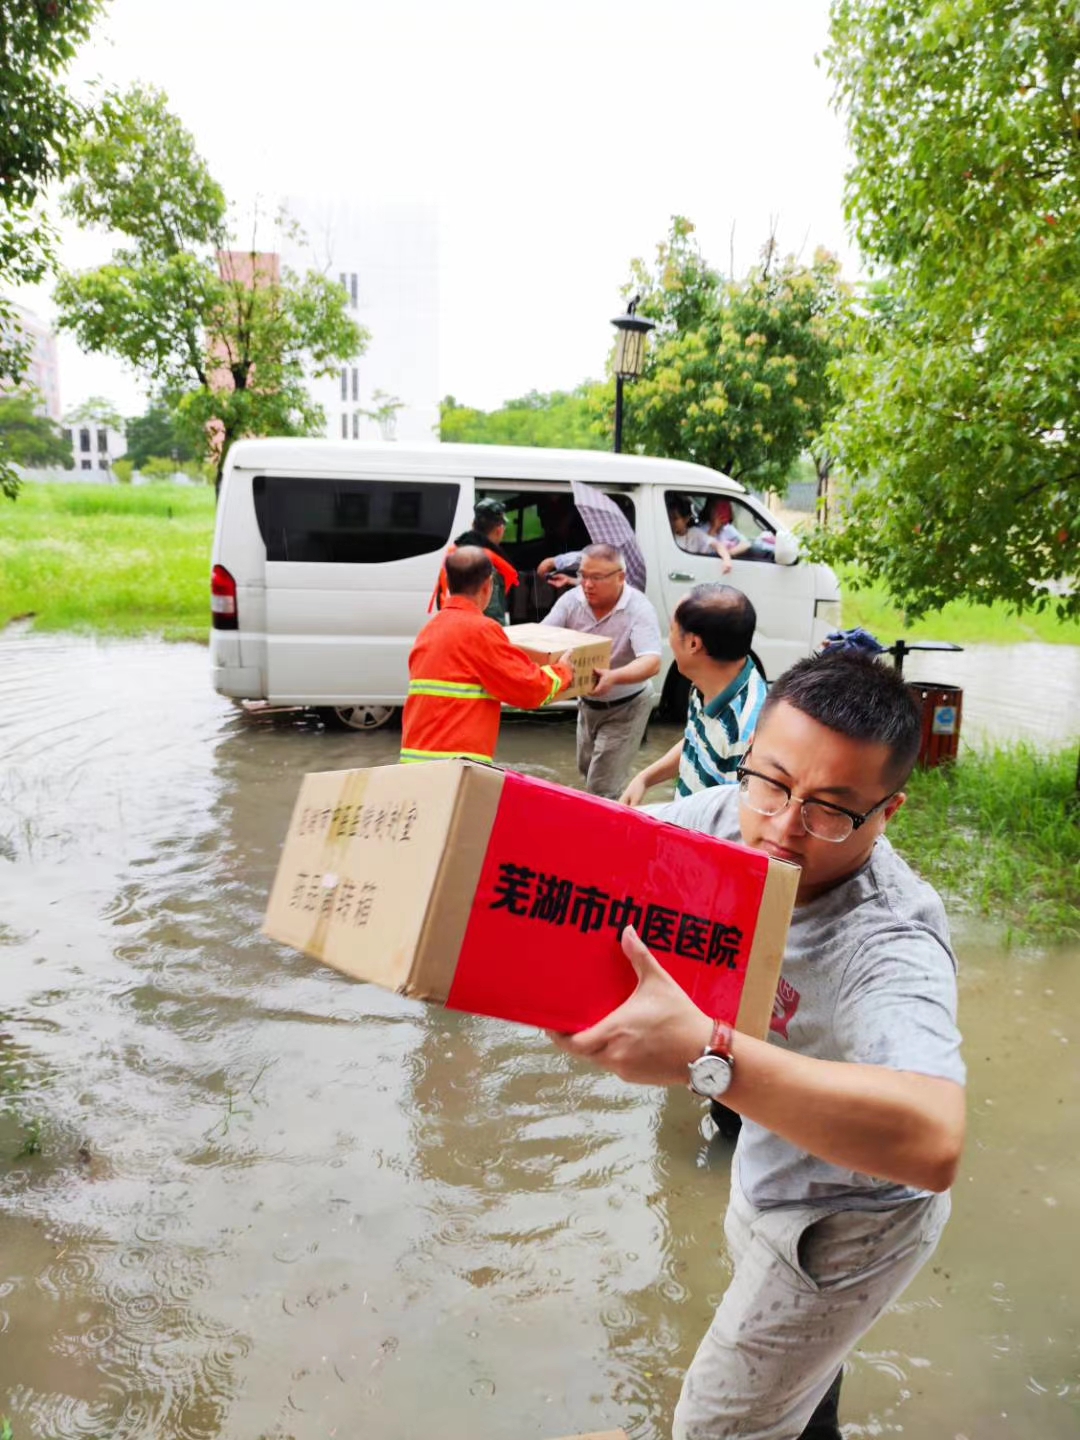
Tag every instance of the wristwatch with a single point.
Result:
(711, 1072)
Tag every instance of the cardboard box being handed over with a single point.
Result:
(546, 643)
(503, 895)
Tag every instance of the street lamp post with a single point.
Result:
(629, 356)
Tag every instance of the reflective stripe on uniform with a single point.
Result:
(411, 757)
(556, 683)
(449, 690)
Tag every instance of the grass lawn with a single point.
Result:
(109, 559)
(960, 622)
(998, 836)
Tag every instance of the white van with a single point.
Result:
(326, 555)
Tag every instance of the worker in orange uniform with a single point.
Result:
(462, 669)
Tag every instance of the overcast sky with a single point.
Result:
(557, 139)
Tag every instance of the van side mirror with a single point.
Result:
(787, 548)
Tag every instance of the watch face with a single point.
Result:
(710, 1075)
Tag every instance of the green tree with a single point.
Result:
(960, 434)
(563, 419)
(38, 39)
(737, 374)
(384, 413)
(96, 410)
(29, 439)
(156, 435)
(226, 337)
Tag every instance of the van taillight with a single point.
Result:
(222, 599)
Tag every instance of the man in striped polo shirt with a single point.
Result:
(711, 634)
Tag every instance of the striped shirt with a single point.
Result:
(718, 734)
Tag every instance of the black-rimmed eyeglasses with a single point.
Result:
(820, 818)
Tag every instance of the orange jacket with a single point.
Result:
(461, 670)
(441, 594)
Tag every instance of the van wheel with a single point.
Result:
(358, 717)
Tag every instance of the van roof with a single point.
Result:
(493, 462)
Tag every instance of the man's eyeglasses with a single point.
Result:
(820, 819)
(595, 579)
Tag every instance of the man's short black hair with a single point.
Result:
(467, 569)
(721, 617)
(680, 505)
(856, 696)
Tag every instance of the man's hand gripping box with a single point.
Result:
(547, 643)
(503, 895)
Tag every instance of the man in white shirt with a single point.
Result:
(612, 720)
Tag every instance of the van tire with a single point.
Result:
(361, 716)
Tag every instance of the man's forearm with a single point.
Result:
(642, 668)
(889, 1123)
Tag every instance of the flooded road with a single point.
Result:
(243, 1197)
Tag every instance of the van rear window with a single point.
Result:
(352, 522)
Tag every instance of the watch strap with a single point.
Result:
(720, 1040)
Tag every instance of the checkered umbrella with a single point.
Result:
(607, 525)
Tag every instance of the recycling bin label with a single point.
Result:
(944, 722)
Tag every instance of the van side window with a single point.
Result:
(701, 521)
(352, 522)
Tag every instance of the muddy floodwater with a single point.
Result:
(243, 1197)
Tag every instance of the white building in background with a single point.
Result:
(387, 258)
(95, 446)
(43, 366)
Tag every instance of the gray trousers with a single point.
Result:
(608, 739)
(808, 1284)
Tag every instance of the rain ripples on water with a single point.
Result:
(241, 1196)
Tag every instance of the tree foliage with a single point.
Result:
(29, 439)
(96, 410)
(960, 435)
(564, 419)
(38, 39)
(155, 435)
(226, 337)
(737, 374)
(38, 116)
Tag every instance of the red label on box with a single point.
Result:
(563, 875)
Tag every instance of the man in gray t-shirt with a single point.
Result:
(853, 1111)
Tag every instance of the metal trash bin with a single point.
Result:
(941, 707)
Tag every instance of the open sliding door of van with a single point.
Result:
(351, 565)
(782, 595)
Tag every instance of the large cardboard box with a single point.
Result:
(503, 895)
(546, 643)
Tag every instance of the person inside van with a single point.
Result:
(717, 520)
(488, 531)
(691, 537)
